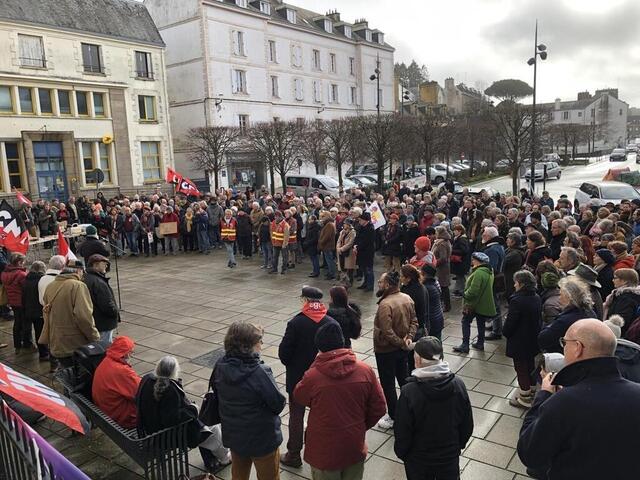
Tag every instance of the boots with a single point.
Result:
(523, 398)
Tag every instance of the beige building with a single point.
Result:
(82, 87)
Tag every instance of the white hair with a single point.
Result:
(491, 231)
(57, 262)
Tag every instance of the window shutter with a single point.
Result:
(234, 81)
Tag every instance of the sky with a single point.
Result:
(591, 44)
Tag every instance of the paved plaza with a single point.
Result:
(183, 305)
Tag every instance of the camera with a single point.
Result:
(553, 362)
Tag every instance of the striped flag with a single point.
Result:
(63, 247)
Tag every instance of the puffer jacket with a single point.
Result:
(435, 315)
(13, 280)
(478, 291)
(394, 320)
(442, 252)
(623, 301)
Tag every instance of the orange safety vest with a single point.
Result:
(228, 230)
(293, 230)
(277, 233)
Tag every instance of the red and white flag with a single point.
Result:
(183, 184)
(22, 198)
(63, 247)
(13, 234)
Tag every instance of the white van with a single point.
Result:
(305, 184)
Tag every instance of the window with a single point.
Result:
(98, 104)
(352, 66)
(6, 100)
(333, 93)
(151, 168)
(367, 35)
(105, 161)
(380, 38)
(565, 115)
(147, 108)
(291, 15)
(300, 121)
(91, 58)
(241, 3)
(87, 160)
(317, 91)
(273, 54)
(297, 87)
(353, 96)
(347, 31)
(238, 43)
(328, 26)
(274, 87)
(81, 103)
(296, 56)
(265, 7)
(620, 113)
(239, 81)
(31, 51)
(46, 105)
(316, 60)
(332, 62)
(26, 100)
(243, 123)
(64, 102)
(14, 165)
(593, 112)
(579, 114)
(143, 65)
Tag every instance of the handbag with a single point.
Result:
(210, 409)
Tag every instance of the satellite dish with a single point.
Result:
(107, 139)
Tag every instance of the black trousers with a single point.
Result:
(392, 367)
(21, 329)
(38, 325)
(420, 471)
(245, 246)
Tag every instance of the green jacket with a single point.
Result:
(478, 291)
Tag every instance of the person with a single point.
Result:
(410, 233)
(131, 228)
(106, 314)
(558, 235)
(627, 352)
(345, 400)
(492, 246)
(603, 264)
(92, 245)
(279, 240)
(589, 276)
(250, 404)
(346, 313)
(560, 434)
(442, 252)
(537, 250)
(201, 222)
(311, 244)
(577, 304)
(435, 317)
(327, 243)
(623, 258)
(394, 327)
(344, 249)
(434, 418)
(568, 260)
(13, 278)
(245, 232)
(392, 244)
(478, 301)
(513, 261)
(55, 266)
(460, 258)
(365, 250)
(521, 328)
(297, 351)
(68, 315)
(115, 383)
(550, 296)
(171, 239)
(423, 254)
(625, 298)
(31, 304)
(228, 226)
(410, 284)
(161, 403)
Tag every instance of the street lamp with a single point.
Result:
(376, 76)
(539, 50)
(403, 97)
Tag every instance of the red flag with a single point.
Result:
(63, 247)
(13, 235)
(182, 184)
(22, 198)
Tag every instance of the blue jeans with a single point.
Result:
(331, 263)
(267, 253)
(368, 276)
(466, 327)
(106, 337)
(315, 263)
(214, 235)
(203, 240)
(132, 240)
(230, 255)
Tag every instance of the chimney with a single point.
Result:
(449, 84)
(361, 22)
(584, 95)
(334, 15)
(557, 105)
(610, 91)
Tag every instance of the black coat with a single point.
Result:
(244, 228)
(513, 261)
(366, 243)
(461, 248)
(605, 278)
(435, 316)
(556, 244)
(250, 404)
(105, 311)
(549, 336)
(534, 257)
(30, 298)
(392, 240)
(433, 420)
(628, 355)
(409, 236)
(522, 325)
(625, 302)
(311, 240)
(297, 350)
(350, 323)
(586, 431)
(91, 246)
(418, 293)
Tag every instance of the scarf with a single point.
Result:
(188, 219)
(316, 311)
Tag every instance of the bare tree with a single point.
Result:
(278, 144)
(377, 133)
(210, 147)
(338, 135)
(448, 140)
(427, 133)
(355, 143)
(313, 144)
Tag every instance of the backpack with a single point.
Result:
(85, 362)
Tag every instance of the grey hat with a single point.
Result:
(429, 348)
(586, 273)
(615, 323)
(481, 257)
(312, 293)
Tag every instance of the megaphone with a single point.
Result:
(107, 139)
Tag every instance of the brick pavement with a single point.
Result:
(182, 306)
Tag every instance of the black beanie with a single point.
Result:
(329, 337)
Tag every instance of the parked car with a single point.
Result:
(503, 164)
(598, 194)
(437, 176)
(460, 167)
(442, 168)
(553, 171)
(458, 188)
(632, 148)
(618, 155)
(364, 180)
(550, 157)
(477, 164)
(362, 169)
(305, 184)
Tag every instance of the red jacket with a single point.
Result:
(115, 384)
(346, 400)
(168, 218)
(13, 280)
(627, 262)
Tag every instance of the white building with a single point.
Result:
(72, 74)
(239, 62)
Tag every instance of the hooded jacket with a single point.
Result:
(346, 400)
(433, 420)
(394, 320)
(522, 324)
(115, 384)
(351, 326)
(30, 300)
(628, 261)
(91, 246)
(105, 311)
(250, 405)
(623, 301)
(13, 279)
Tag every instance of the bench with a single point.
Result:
(163, 455)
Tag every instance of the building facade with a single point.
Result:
(236, 63)
(82, 87)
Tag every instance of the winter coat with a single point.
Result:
(628, 355)
(605, 279)
(418, 294)
(628, 261)
(201, 222)
(30, 296)
(256, 217)
(91, 246)
(339, 387)
(435, 315)
(244, 228)
(442, 252)
(105, 311)
(250, 404)
(564, 436)
(311, 240)
(522, 325)
(394, 320)
(623, 301)
(478, 291)
(351, 326)
(69, 323)
(409, 236)
(47, 223)
(549, 336)
(495, 251)
(434, 419)
(297, 349)
(344, 246)
(115, 384)
(327, 240)
(215, 214)
(462, 249)
(170, 218)
(551, 306)
(392, 240)
(513, 261)
(537, 255)
(556, 244)
(365, 243)
(13, 280)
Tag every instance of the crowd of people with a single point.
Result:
(560, 284)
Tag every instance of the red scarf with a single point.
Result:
(316, 311)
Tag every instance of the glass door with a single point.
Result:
(50, 171)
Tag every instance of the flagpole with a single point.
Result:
(115, 249)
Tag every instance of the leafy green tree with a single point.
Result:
(509, 89)
(412, 75)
